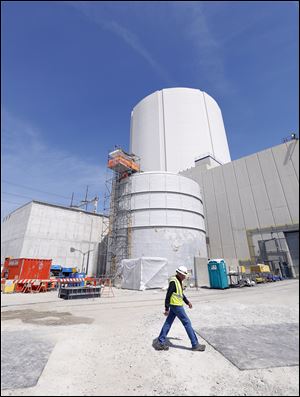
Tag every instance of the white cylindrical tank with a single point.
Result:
(173, 127)
(166, 218)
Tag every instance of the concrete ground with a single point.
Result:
(103, 346)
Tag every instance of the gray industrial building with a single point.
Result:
(48, 231)
(247, 211)
(251, 207)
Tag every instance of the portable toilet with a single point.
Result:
(217, 274)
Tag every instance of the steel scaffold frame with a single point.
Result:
(116, 231)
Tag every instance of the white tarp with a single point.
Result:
(144, 273)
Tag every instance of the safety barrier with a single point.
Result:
(34, 285)
(44, 285)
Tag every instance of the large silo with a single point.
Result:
(173, 127)
(166, 218)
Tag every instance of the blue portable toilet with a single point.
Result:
(217, 274)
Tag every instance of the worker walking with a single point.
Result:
(174, 308)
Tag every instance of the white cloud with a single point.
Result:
(101, 18)
(28, 161)
(207, 51)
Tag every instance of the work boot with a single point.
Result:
(199, 348)
(161, 346)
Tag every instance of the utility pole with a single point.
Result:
(89, 250)
(71, 205)
(86, 193)
(86, 202)
(96, 199)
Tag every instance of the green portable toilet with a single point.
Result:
(217, 274)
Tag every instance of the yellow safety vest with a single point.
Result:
(177, 297)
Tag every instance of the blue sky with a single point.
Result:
(71, 72)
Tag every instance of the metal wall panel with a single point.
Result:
(223, 213)
(262, 192)
(173, 200)
(175, 218)
(288, 178)
(192, 220)
(212, 216)
(157, 183)
(140, 218)
(246, 196)
(140, 184)
(293, 154)
(158, 218)
(139, 201)
(172, 182)
(236, 213)
(191, 203)
(259, 192)
(157, 200)
(274, 188)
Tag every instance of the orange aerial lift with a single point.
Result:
(122, 162)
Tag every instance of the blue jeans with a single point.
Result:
(178, 311)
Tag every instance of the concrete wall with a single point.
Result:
(252, 195)
(13, 229)
(50, 232)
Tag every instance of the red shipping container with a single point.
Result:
(22, 268)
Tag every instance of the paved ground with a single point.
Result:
(104, 346)
(28, 365)
(256, 346)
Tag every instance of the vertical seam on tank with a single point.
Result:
(238, 190)
(220, 234)
(209, 129)
(287, 205)
(260, 167)
(202, 192)
(293, 166)
(230, 220)
(256, 213)
(164, 127)
(240, 200)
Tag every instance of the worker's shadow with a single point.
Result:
(170, 344)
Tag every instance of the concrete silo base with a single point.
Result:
(179, 245)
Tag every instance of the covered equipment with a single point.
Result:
(144, 273)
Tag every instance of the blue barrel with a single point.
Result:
(74, 275)
(217, 274)
(80, 275)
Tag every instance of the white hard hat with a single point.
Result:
(182, 270)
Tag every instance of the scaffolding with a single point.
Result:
(116, 232)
